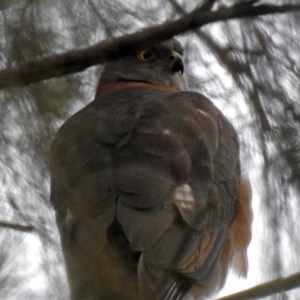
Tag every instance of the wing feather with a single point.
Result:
(161, 169)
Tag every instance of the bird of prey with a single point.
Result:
(147, 187)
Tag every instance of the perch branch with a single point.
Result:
(267, 289)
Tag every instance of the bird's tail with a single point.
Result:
(161, 284)
(177, 291)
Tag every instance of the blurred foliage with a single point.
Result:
(249, 68)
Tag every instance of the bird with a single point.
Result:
(146, 184)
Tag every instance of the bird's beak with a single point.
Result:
(176, 62)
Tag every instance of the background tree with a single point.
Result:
(249, 67)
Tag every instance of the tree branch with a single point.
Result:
(18, 227)
(79, 60)
(267, 289)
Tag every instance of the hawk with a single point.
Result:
(147, 187)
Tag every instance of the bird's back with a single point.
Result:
(146, 185)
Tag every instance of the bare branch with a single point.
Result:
(79, 60)
(15, 226)
(231, 66)
(267, 289)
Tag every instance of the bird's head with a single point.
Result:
(159, 63)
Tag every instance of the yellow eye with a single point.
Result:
(145, 55)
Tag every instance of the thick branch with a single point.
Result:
(79, 60)
(18, 227)
(267, 289)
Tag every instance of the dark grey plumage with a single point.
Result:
(146, 185)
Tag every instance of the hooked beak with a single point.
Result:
(176, 62)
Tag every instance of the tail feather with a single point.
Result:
(177, 291)
(160, 284)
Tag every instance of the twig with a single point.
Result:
(267, 289)
(15, 226)
(79, 60)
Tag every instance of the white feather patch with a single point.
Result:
(184, 194)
